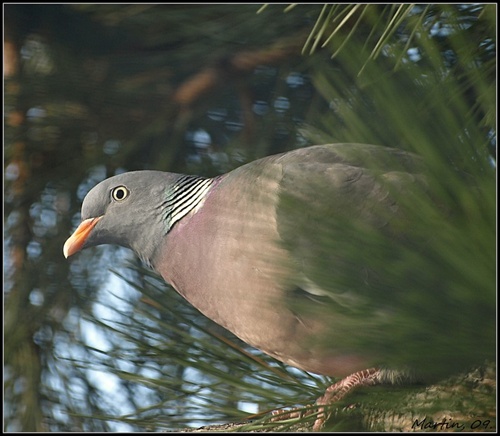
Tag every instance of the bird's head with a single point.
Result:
(129, 209)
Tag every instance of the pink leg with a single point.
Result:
(339, 390)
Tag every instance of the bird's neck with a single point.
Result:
(185, 196)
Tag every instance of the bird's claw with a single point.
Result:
(332, 394)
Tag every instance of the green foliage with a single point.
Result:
(441, 277)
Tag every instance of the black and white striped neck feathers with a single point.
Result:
(186, 195)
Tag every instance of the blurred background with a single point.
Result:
(98, 343)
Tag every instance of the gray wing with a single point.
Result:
(335, 202)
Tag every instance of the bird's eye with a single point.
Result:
(119, 193)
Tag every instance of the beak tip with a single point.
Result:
(76, 241)
(66, 249)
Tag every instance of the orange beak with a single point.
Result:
(80, 235)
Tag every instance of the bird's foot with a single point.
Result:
(333, 393)
(339, 390)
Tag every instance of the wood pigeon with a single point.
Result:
(265, 251)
